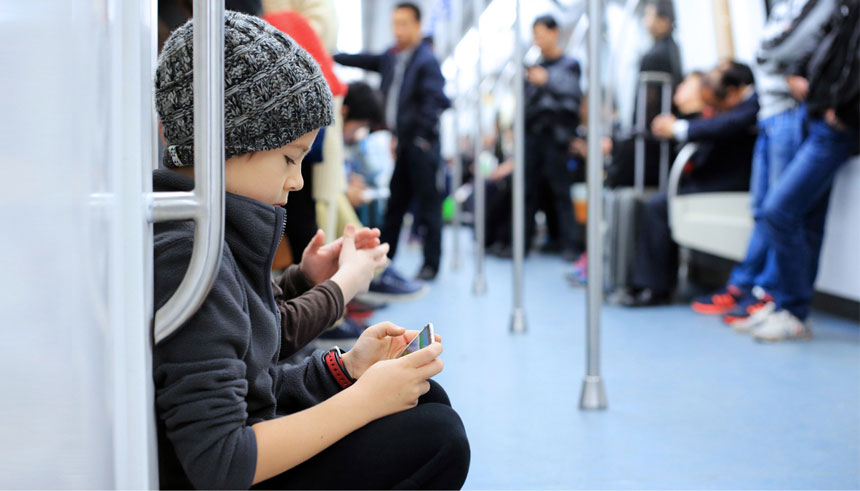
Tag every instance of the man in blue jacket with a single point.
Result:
(412, 85)
(722, 163)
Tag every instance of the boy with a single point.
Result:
(228, 415)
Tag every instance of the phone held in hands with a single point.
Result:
(423, 339)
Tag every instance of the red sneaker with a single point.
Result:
(722, 302)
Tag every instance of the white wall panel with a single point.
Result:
(72, 287)
(839, 272)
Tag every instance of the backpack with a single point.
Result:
(834, 68)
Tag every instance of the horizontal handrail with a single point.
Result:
(677, 171)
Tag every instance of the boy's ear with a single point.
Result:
(344, 111)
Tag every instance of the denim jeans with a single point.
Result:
(779, 137)
(794, 211)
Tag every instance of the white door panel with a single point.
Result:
(75, 134)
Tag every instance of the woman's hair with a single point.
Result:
(547, 21)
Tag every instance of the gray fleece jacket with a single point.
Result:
(218, 374)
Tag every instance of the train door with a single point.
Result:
(77, 149)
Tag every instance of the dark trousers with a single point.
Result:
(414, 177)
(498, 216)
(655, 264)
(546, 169)
(421, 448)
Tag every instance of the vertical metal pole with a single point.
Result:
(518, 316)
(666, 102)
(640, 129)
(455, 30)
(480, 283)
(593, 394)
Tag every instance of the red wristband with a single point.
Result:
(332, 361)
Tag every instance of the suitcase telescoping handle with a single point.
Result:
(665, 80)
(205, 203)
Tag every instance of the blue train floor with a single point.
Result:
(692, 405)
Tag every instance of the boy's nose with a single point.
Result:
(294, 183)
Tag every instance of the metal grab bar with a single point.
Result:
(593, 394)
(677, 171)
(479, 283)
(665, 80)
(205, 204)
(518, 314)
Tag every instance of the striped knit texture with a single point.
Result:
(274, 92)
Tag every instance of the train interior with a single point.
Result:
(558, 383)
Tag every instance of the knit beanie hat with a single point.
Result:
(274, 92)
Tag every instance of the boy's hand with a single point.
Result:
(320, 262)
(356, 267)
(383, 341)
(391, 386)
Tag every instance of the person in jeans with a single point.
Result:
(779, 137)
(820, 45)
(794, 213)
(413, 86)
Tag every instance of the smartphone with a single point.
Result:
(423, 339)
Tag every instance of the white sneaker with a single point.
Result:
(753, 320)
(780, 326)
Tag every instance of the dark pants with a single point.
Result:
(421, 448)
(546, 169)
(498, 216)
(794, 211)
(415, 177)
(655, 263)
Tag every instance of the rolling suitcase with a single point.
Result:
(621, 205)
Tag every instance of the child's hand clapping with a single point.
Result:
(356, 267)
(320, 262)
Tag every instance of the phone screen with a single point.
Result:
(423, 339)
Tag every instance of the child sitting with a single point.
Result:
(229, 416)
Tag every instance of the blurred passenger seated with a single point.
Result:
(722, 164)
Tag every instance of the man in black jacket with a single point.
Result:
(412, 84)
(552, 99)
(722, 163)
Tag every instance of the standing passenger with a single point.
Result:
(779, 136)
(552, 98)
(412, 84)
(793, 213)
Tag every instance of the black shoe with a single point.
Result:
(427, 273)
(570, 255)
(551, 247)
(645, 298)
(501, 250)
